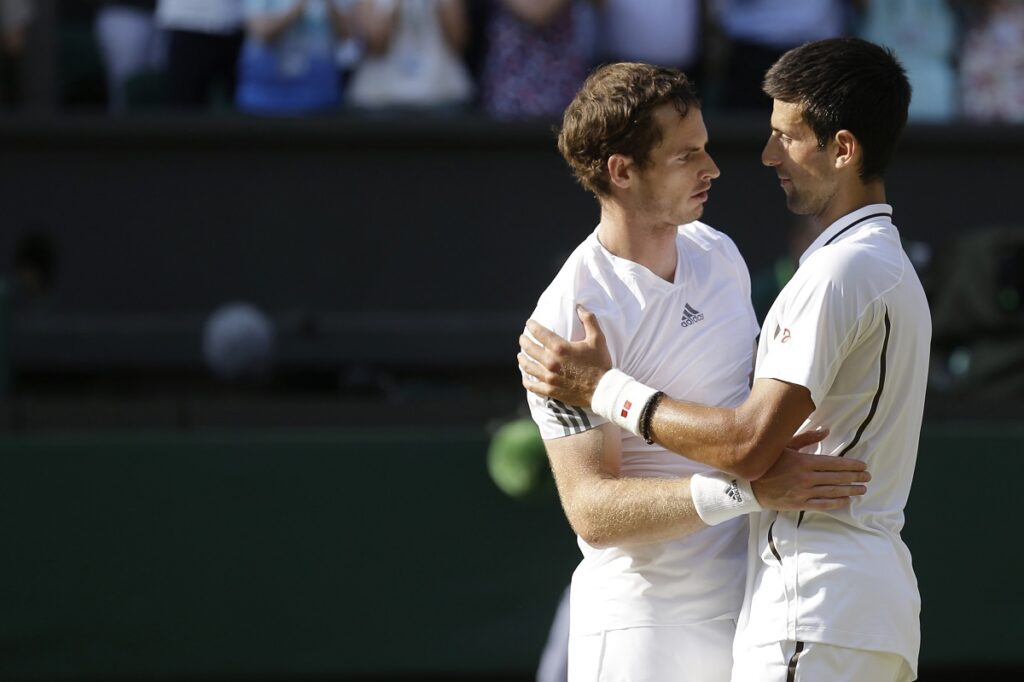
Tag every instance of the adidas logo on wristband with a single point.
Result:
(733, 491)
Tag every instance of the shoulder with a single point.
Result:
(586, 278)
(703, 235)
(707, 238)
(872, 262)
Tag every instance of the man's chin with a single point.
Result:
(690, 216)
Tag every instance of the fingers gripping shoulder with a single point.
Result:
(555, 418)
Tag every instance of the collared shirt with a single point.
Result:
(853, 327)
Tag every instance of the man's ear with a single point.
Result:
(847, 150)
(620, 170)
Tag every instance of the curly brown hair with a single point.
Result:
(613, 113)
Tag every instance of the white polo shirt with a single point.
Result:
(853, 327)
(693, 337)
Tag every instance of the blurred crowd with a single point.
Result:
(508, 58)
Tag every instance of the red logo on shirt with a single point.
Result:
(626, 408)
(785, 335)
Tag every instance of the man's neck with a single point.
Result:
(847, 200)
(650, 245)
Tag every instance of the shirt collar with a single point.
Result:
(850, 221)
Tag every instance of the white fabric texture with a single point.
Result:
(853, 327)
(815, 662)
(699, 652)
(620, 399)
(719, 497)
(693, 338)
(201, 16)
(418, 69)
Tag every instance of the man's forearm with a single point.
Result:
(609, 512)
(745, 441)
(724, 438)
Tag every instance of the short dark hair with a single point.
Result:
(613, 113)
(846, 84)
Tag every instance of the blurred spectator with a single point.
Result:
(412, 54)
(760, 31)
(15, 17)
(538, 53)
(288, 60)
(992, 61)
(662, 32)
(923, 33)
(130, 43)
(204, 39)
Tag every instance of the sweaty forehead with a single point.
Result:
(787, 115)
(677, 130)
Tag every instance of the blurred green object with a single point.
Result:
(517, 461)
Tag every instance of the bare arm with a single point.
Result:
(454, 23)
(15, 17)
(608, 509)
(374, 24)
(536, 12)
(270, 27)
(744, 441)
(340, 20)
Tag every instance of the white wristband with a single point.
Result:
(719, 497)
(620, 399)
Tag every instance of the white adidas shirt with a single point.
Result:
(853, 327)
(693, 338)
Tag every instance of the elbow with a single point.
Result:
(749, 454)
(749, 469)
(750, 461)
(590, 529)
(594, 536)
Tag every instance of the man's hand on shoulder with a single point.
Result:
(560, 369)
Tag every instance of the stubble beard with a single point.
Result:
(799, 204)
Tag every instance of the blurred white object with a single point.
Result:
(238, 342)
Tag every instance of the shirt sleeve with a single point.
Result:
(555, 418)
(818, 321)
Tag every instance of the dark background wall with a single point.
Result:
(378, 240)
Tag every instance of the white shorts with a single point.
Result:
(684, 653)
(813, 662)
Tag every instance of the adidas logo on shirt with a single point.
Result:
(691, 316)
